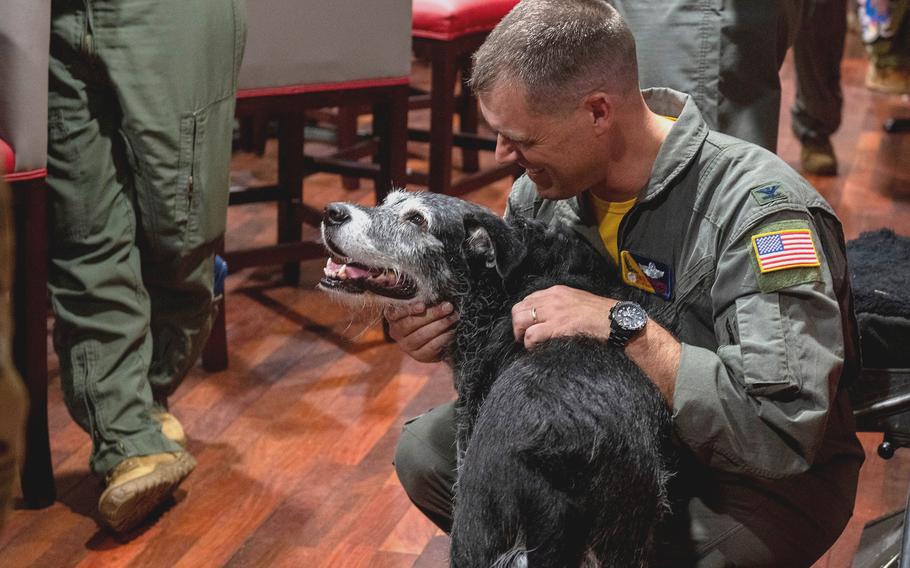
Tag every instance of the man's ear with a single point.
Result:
(491, 240)
(600, 107)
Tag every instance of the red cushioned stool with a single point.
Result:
(303, 55)
(24, 37)
(446, 33)
(29, 195)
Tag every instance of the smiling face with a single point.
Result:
(560, 152)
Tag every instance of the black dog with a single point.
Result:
(562, 449)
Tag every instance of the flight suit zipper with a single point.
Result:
(88, 35)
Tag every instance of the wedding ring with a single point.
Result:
(534, 314)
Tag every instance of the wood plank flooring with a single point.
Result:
(295, 440)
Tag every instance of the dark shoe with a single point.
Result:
(139, 485)
(818, 158)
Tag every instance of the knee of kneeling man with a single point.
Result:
(414, 464)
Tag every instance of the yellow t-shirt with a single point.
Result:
(609, 214)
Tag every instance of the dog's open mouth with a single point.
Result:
(356, 278)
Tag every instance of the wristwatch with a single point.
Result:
(627, 319)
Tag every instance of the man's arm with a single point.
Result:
(562, 311)
(760, 402)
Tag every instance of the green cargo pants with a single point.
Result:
(712, 525)
(12, 394)
(140, 121)
(817, 52)
(725, 54)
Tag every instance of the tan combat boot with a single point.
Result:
(818, 158)
(138, 485)
(171, 427)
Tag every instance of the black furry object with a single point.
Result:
(564, 451)
(880, 270)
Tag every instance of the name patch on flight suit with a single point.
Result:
(784, 255)
(646, 274)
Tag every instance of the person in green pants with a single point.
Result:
(140, 117)
(818, 48)
(727, 57)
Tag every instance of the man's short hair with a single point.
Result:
(558, 51)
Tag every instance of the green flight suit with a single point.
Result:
(140, 123)
(727, 56)
(770, 459)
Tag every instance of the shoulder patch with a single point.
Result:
(784, 255)
(769, 193)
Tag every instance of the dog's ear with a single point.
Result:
(492, 240)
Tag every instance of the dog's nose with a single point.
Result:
(336, 214)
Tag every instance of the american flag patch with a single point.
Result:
(778, 250)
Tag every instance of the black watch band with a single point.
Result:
(627, 319)
(619, 337)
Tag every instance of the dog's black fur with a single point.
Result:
(563, 449)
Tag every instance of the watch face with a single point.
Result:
(630, 316)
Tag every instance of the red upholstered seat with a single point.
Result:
(8, 166)
(446, 33)
(24, 36)
(7, 158)
(449, 19)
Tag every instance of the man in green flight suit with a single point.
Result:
(749, 254)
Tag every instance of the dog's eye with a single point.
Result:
(416, 218)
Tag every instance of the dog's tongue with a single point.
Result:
(332, 268)
(355, 272)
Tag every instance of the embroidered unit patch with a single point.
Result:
(646, 274)
(783, 249)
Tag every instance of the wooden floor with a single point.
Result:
(295, 440)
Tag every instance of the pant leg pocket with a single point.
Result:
(205, 152)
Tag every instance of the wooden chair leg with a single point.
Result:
(442, 110)
(390, 126)
(346, 136)
(214, 355)
(254, 132)
(30, 336)
(468, 118)
(290, 180)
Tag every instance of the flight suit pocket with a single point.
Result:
(201, 202)
(762, 334)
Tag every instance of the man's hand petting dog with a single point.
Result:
(560, 311)
(422, 332)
